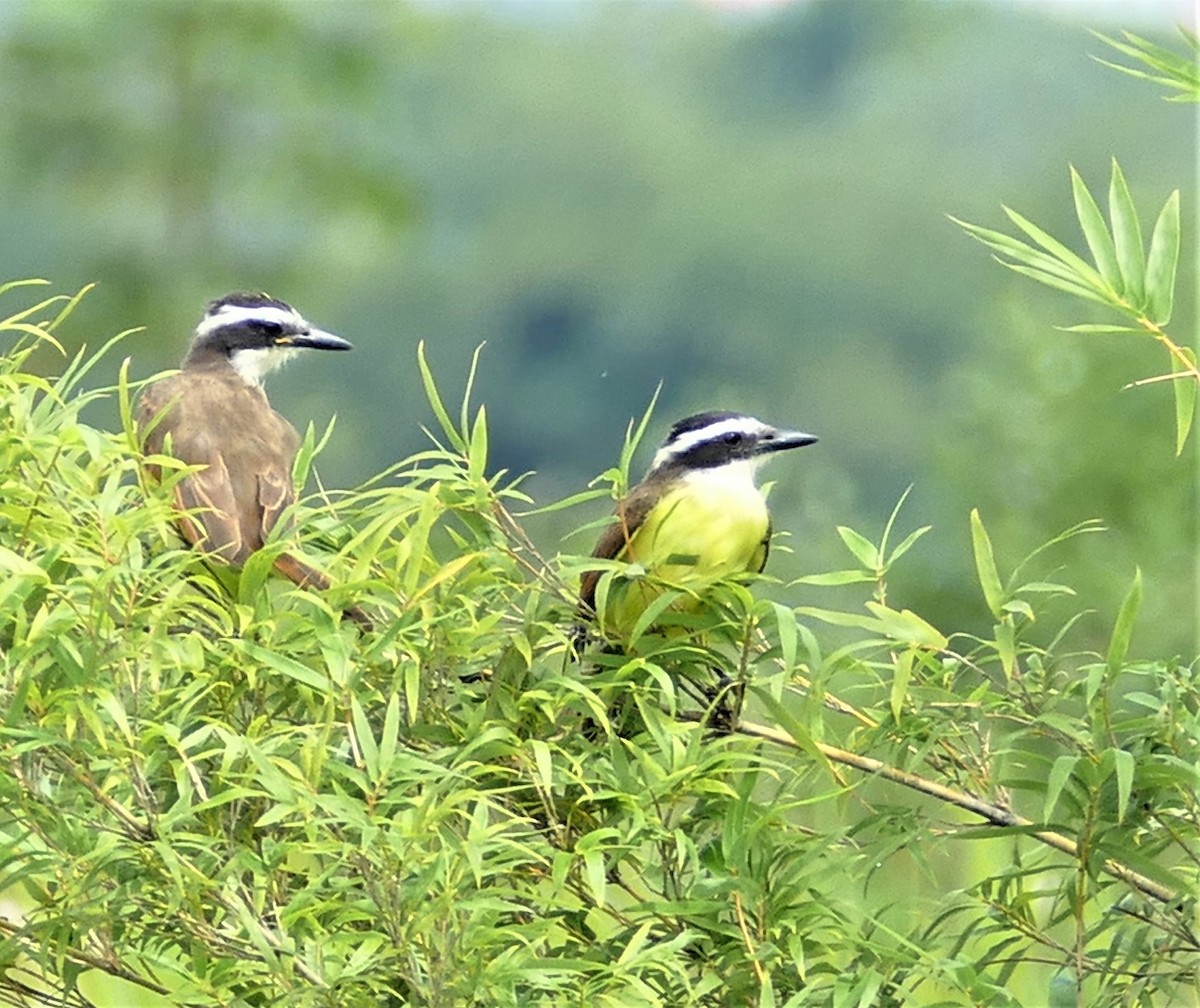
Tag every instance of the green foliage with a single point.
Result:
(1125, 278)
(1161, 65)
(220, 793)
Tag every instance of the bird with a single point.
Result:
(214, 413)
(697, 515)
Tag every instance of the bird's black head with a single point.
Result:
(255, 333)
(720, 437)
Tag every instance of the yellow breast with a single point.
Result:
(709, 525)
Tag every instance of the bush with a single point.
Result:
(220, 793)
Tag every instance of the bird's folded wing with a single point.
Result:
(614, 540)
(209, 492)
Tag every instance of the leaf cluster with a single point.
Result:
(217, 791)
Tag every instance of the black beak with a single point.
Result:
(783, 440)
(316, 339)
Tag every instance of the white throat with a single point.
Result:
(736, 476)
(254, 365)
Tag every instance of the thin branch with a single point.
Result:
(994, 814)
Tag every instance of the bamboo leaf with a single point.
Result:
(1077, 264)
(1185, 390)
(1127, 237)
(1100, 328)
(1118, 643)
(863, 549)
(985, 565)
(1021, 251)
(1123, 764)
(1052, 281)
(1059, 774)
(1095, 231)
(1162, 261)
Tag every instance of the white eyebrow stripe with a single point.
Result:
(229, 315)
(686, 442)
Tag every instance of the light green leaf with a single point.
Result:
(1095, 231)
(1127, 237)
(1052, 281)
(1057, 779)
(1162, 261)
(1118, 644)
(985, 564)
(1185, 390)
(1123, 764)
(842, 577)
(1083, 271)
(906, 626)
(901, 676)
(1100, 328)
(863, 549)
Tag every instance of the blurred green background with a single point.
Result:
(745, 202)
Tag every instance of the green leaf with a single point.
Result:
(906, 626)
(1123, 764)
(1079, 267)
(863, 549)
(1006, 647)
(842, 577)
(1100, 328)
(435, 401)
(985, 564)
(1185, 390)
(901, 676)
(907, 544)
(1118, 644)
(1024, 253)
(1095, 231)
(1056, 780)
(1127, 237)
(1058, 284)
(1162, 262)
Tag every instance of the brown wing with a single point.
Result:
(614, 540)
(247, 449)
(766, 550)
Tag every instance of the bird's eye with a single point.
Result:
(271, 328)
(733, 438)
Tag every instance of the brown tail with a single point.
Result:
(300, 573)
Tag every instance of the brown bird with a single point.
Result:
(215, 414)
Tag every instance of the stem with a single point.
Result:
(994, 814)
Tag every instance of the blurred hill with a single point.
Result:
(747, 209)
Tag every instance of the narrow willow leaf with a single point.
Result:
(842, 577)
(985, 565)
(1021, 251)
(1095, 231)
(1118, 644)
(1127, 237)
(907, 544)
(1162, 262)
(1123, 764)
(863, 549)
(1100, 328)
(435, 400)
(901, 677)
(1059, 774)
(1057, 284)
(1083, 270)
(1185, 400)
(1006, 647)
(906, 626)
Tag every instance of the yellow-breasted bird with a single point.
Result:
(697, 516)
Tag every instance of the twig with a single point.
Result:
(994, 814)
